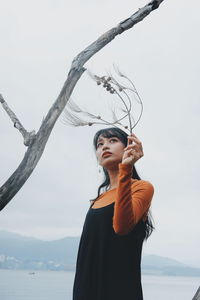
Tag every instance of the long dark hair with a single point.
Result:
(122, 136)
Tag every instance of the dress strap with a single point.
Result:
(92, 202)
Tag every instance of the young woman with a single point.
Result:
(116, 224)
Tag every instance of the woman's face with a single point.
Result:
(112, 145)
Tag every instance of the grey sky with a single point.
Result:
(38, 42)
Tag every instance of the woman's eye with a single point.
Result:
(99, 144)
(115, 140)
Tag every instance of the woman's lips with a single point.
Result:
(106, 154)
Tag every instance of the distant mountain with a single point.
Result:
(12, 235)
(30, 252)
(158, 265)
(160, 262)
(20, 252)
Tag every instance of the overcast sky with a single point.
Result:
(39, 39)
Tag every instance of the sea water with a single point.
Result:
(52, 285)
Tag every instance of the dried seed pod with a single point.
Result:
(112, 86)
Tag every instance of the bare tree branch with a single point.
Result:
(28, 136)
(37, 142)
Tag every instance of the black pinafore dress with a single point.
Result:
(108, 264)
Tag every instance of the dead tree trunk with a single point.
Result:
(197, 295)
(36, 141)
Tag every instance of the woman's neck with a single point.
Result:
(113, 175)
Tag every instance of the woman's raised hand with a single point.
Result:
(133, 150)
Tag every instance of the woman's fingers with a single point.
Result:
(131, 146)
(132, 139)
(134, 146)
(133, 135)
(133, 151)
(134, 154)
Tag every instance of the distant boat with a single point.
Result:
(31, 273)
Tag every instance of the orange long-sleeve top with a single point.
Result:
(132, 199)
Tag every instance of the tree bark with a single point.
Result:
(197, 295)
(37, 142)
